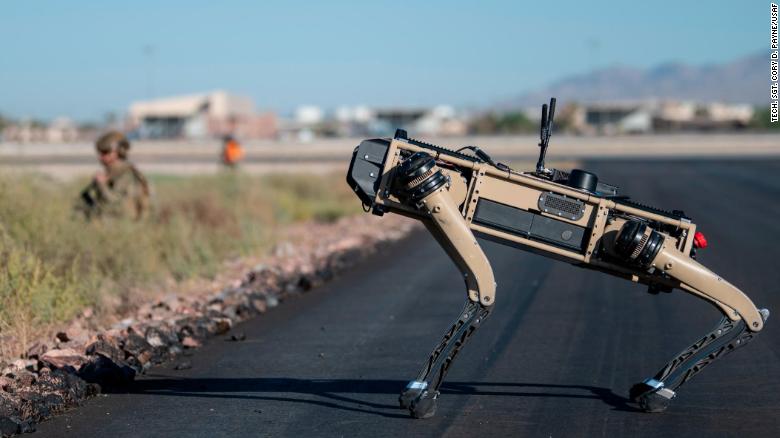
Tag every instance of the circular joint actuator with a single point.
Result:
(418, 177)
(639, 245)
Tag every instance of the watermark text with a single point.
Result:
(773, 64)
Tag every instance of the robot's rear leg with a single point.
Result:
(420, 395)
(655, 394)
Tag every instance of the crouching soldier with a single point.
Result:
(120, 189)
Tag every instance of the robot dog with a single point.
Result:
(566, 216)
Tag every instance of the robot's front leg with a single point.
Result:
(420, 395)
(424, 185)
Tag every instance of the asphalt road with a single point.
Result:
(556, 358)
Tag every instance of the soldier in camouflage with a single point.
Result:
(120, 189)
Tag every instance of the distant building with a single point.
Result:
(25, 132)
(309, 115)
(59, 130)
(658, 116)
(356, 121)
(356, 114)
(690, 116)
(614, 118)
(204, 115)
(440, 120)
(304, 125)
(308, 122)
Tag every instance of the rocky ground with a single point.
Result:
(82, 361)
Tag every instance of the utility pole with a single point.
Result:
(593, 44)
(149, 52)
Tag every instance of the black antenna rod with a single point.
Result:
(544, 134)
(550, 118)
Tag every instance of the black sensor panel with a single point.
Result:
(365, 170)
(529, 225)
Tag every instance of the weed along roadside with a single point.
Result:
(220, 249)
(55, 378)
(54, 264)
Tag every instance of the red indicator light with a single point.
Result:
(699, 241)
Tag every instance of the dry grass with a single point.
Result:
(53, 264)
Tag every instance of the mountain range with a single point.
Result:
(743, 80)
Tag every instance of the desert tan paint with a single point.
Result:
(455, 236)
(678, 265)
(452, 227)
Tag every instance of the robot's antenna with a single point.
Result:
(544, 135)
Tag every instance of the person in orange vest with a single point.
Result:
(232, 152)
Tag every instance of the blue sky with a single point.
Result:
(82, 58)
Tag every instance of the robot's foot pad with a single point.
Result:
(424, 407)
(651, 395)
(420, 402)
(412, 391)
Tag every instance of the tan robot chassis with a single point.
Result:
(567, 216)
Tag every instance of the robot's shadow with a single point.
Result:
(355, 394)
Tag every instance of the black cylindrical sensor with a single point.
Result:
(582, 179)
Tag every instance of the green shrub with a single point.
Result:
(762, 120)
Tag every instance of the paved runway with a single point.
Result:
(555, 359)
(183, 157)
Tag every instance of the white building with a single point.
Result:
(619, 117)
(354, 114)
(440, 120)
(61, 130)
(199, 116)
(720, 112)
(628, 117)
(308, 115)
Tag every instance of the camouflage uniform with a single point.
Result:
(125, 193)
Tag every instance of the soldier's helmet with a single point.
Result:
(113, 141)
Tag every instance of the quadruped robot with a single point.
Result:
(569, 216)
